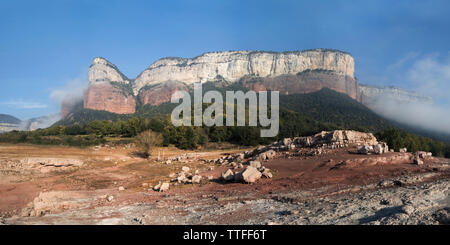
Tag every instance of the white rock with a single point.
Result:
(233, 65)
(250, 174)
(196, 179)
(255, 164)
(164, 187)
(228, 175)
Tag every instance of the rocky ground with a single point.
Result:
(326, 184)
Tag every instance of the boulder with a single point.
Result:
(423, 154)
(182, 178)
(251, 174)
(255, 164)
(164, 187)
(228, 175)
(365, 149)
(196, 179)
(378, 149)
(266, 173)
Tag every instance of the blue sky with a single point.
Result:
(47, 46)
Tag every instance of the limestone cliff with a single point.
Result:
(233, 65)
(294, 72)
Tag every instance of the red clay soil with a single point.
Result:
(336, 170)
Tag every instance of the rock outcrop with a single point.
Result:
(107, 89)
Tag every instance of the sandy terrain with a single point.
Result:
(62, 185)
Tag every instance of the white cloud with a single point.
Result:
(72, 90)
(431, 75)
(22, 104)
(428, 116)
(427, 75)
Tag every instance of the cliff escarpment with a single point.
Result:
(287, 72)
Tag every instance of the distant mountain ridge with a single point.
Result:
(9, 123)
(4, 118)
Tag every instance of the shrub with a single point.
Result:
(146, 140)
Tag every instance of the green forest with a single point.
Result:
(300, 115)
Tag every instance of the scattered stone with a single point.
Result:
(181, 178)
(185, 169)
(109, 198)
(164, 187)
(144, 184)
(384, 183)
(403, 150)
(168, 162)
(196, 179)
(121, 188)
(157, 187)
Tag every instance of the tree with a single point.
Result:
(146, 140)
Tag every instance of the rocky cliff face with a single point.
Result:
(160, 93)
(305, 82)
(104, 96)
(293, 72)
(108, 89)
(232, 66)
